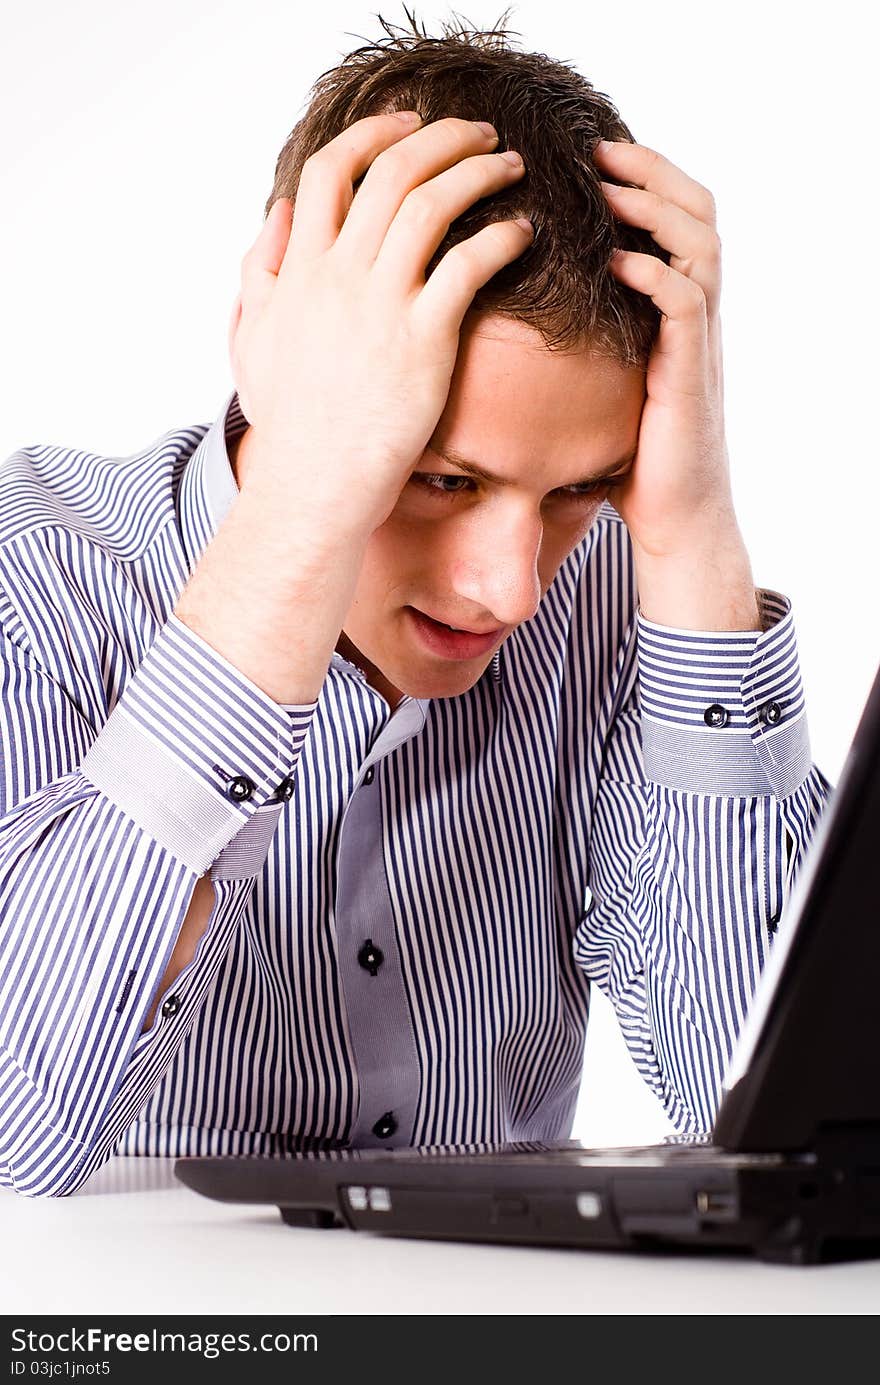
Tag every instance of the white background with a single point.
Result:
(137, 149)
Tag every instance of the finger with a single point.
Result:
(694, 245)
(326, 183)
(636, 163)
(261, 264)
(684, 333)
(426, 213)
(449, 291)
(234, 319)
(396, 172)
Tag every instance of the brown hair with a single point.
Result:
(560, 285)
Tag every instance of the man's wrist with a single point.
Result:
(705, 588)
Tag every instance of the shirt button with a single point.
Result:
(284, 790)
(240, 789)
(385, 1126)
(171, 1006)
(716, 715)
(370, 775)
(770, 713)
(371, 957)
(773, 924)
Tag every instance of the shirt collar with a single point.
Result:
(208, 490)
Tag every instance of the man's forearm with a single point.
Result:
(270, 593)
(272, 589)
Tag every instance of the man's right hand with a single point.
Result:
(344, 353)
(343, 360)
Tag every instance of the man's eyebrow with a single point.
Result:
(449, 454)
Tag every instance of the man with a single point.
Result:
(347, 741)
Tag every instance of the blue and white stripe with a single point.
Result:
(571, 819)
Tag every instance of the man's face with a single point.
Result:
(480, 554)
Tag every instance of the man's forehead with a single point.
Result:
(497, 327)
(514, 404)
(498, 345)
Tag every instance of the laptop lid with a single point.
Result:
(806, 1069)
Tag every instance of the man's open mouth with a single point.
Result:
(449, 641)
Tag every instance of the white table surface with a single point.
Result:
(134, 1240)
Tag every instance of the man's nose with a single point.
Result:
(495, 568)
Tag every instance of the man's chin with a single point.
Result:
(444, 683)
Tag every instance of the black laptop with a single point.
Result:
(792, 1170)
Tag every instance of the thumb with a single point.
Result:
(275, 234)
(234, 319)
(261, 264)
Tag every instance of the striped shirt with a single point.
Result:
(410, 906)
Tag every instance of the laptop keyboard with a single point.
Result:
(656, 1155)
(675, 1150)
(697, 1152)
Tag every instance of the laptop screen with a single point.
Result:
(808, 1056)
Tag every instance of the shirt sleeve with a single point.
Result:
(706, 805)
(104, 832)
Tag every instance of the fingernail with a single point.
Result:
(488, 130)
(409, 116)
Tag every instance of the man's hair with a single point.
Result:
(560, 285)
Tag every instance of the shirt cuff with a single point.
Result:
(193, 749)
(722, 711)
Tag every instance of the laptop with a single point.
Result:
(791, 1170)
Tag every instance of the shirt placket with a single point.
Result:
(379, 1019)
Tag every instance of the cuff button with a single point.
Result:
(716, 715)
(284, 790)
(770, 713)
(240, 789)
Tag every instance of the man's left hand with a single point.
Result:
(677, 501)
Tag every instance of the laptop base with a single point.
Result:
(781, 1210)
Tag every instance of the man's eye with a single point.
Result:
(588, 490)
(584, 490)
(440, 484)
